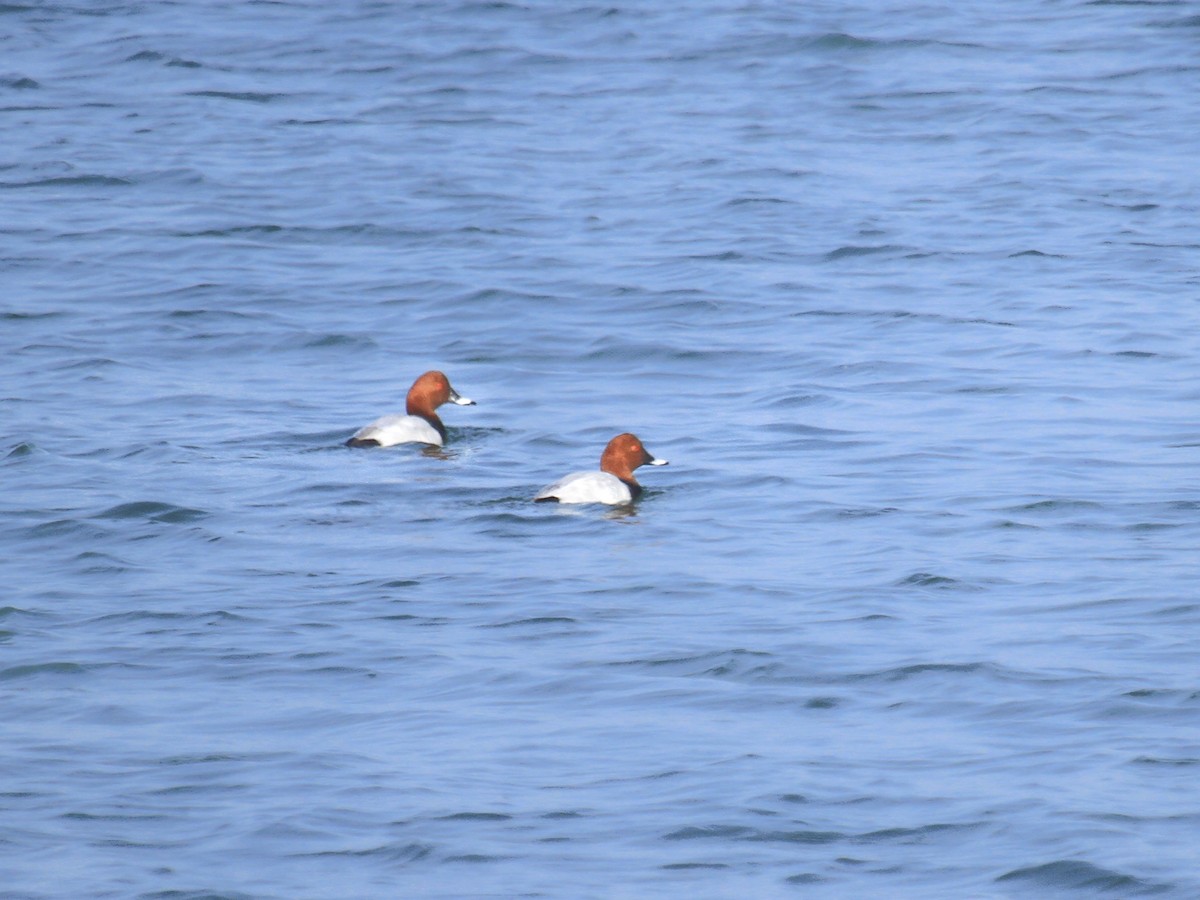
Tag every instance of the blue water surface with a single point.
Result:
(908, 294)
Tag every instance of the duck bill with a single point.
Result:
(658, 462)
(456, 397)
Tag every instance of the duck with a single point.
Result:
(421, 425)
(614, 484)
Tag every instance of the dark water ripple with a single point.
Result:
(907, 295)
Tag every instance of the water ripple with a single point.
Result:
(902, 293)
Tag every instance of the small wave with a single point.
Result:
(821, 703)
(987, 389)
(122, 844)
(705, 832)
(757, 201)
(841, 41)
(211, 313)
(903, 314)
(340, 340)
(311, 234)
(475, 817)
(99, 563)
(1079, 875)
(1180, 762)
(475, 858)
(402, 853)
(798, 836)
(502, 296)
(933, 580)
(138, 615)
(114, 817)
(850, 250)
(1035, 253)
(498, 519)
(35, 669)
(910, 834)
(903, 673)
(802, 835)
(1173, 694)
(95, 362)
(22, 316)
(536, 620)
(808, 835)
(187, 759)
(796, 400)
(863, 512)
(234, 231)
(837, 40)
(1010, 524)
(644, 353)
(171, 61)
(1136, 354)
(1053, 506)
(336, 670)
(409, 617)
(1184, 505)
(69, 181)
(799, 428)
(153, 511)
(319, 122)
(1184, 69)
(19, 84)
(1133, 207)
(241, 96)
(63, 527)
(719, 663)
